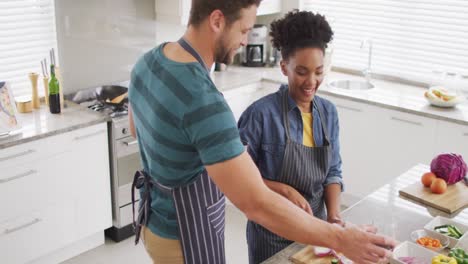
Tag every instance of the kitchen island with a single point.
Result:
(393, 215)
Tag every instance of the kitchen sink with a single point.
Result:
(352, 84)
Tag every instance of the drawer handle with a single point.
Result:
(24, 153)
(349, 108)
(131, 143)
(89, 135)
(23, 226)
(406, 121)
(466, 134)
(31, 172)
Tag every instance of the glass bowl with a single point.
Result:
(415, 235)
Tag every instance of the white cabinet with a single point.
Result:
(406, 140)
(242, 97)
(359, 142)
(269, 7)
(451, 138)
(53, 192)
(173, 11)
(379, 144)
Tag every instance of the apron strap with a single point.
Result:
(186, 46)
(143, 180)
(285, 114)
(322, 120)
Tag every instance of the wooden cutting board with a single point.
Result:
(454, 199)
(307, 256)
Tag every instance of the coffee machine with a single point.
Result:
(254, 53)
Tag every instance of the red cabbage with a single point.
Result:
(450, 167)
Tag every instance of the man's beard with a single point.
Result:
(222, 52)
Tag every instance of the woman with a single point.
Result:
(292, 135)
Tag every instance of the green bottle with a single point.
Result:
(54, 95)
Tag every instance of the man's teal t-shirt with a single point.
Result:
(183, 123)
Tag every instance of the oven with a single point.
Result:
(125, 161)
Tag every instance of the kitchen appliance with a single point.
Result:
(124, 154)
(254, 53)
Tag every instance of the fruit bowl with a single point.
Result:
(439, 96)
(444, 241)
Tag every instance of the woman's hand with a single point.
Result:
(335, 218)
(296, 198)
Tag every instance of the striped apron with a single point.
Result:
(199, 208)
(305, 169)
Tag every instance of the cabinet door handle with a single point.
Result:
(31, 172)
(24, 153)
(78, 138)
(131, 143)
(349, 108)
(17, 228)
(406, 121)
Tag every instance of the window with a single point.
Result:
(27, 33)
(411, 38)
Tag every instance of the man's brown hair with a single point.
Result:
(230, 8)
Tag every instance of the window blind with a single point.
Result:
(27, 33)
(411, 38)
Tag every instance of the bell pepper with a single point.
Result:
(460, 255)
(442, 259)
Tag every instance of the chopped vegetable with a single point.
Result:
(322, 251)
(429, 242)
(449, 230)
(442, 259)
(334, 261)
(460, 255)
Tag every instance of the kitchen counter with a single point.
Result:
(391, 95)
(393, 215)
(40, 123)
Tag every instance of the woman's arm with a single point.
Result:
(289, 193)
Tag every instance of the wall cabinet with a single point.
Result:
(53, 192)
(173, 11)
(178, 11)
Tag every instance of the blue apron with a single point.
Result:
(303, 168)
(199, 208)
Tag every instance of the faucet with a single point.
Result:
(368, 71)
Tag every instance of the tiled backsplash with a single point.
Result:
(100, 41)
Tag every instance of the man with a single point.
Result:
(192, 153)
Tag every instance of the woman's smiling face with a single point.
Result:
(304, 69)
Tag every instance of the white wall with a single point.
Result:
(99, 41)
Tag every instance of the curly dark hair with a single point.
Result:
(300, 29)
(230, 8)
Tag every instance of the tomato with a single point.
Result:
(438, 186)
(427, 178)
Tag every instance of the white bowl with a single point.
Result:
(434, 100)
(438, 221)
(415, 235)
(409, 249)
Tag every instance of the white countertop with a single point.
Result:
(386, 94)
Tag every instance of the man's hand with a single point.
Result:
(364, 247)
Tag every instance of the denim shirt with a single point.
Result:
(261, 128)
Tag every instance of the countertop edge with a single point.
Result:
(383, 105)
(12, 142)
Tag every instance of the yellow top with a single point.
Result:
(308, 134)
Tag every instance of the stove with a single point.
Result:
(124, 162)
